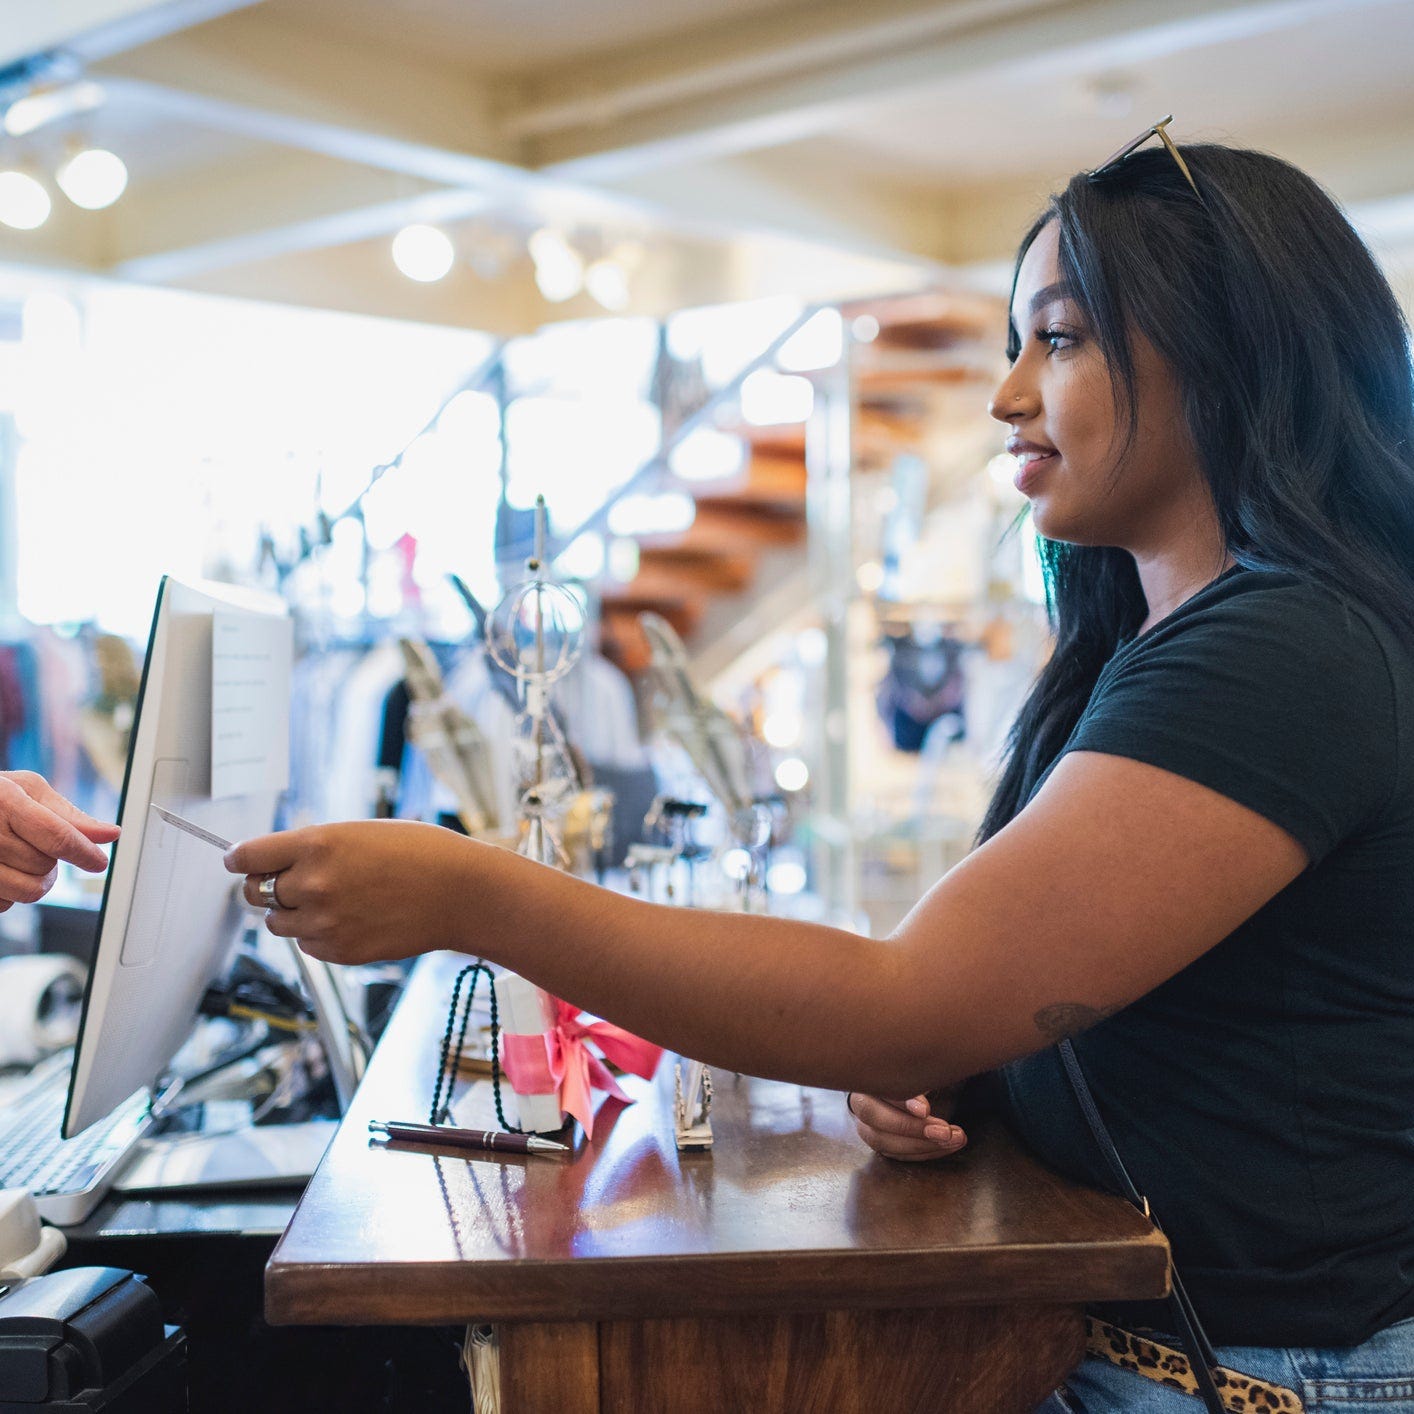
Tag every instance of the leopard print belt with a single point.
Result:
(1242, 1394)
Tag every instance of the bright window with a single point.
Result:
(161, 432)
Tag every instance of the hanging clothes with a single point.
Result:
(63, 683)
(351, 788)
(596, 704)
(470, 686)
(12, 704)
(923, 684)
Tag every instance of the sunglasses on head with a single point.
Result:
(1160, 131)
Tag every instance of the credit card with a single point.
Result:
(193, 829)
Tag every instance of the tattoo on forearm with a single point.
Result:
(1064, 1019)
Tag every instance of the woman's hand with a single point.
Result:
(366, 891)
(38, 828)
(911, 1130)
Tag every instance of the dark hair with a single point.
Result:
(1292, 359)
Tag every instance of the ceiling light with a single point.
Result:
(559, 269)
(792, 774)
(24, 204)
(423, 253)
(49, 105)
(608, 284)
(781, 728)
(93, 178)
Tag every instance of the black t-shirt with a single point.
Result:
(1263, 1098)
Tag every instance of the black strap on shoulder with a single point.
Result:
(1196, 1344)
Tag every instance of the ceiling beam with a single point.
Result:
(358, 279)
(89, 30)
(764, 48)
(355, 139)
(277, 203)
(758, 194)
(288, 204)
(286, 88)
(252, 75)
(725, 117)
(356, 148)
(346, 226)
(64, 243)
(295, 92)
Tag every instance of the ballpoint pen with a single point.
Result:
(451, 1137)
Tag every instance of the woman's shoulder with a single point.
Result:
(1272, 689)
(1276, 633)
(1282, 611)
(1258, 591)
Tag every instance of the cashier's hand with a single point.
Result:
(363, 891)
(38, 828)
(911, 1130)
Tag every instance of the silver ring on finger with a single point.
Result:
(266, 889)
(849, 1103)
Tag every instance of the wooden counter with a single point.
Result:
(786, 1269)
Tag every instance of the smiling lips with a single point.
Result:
(1032, 459)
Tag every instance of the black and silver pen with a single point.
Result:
(446, 1134)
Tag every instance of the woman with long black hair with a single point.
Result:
(1196, 872)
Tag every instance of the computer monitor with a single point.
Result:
(210, 741)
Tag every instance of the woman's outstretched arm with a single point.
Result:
(1114, 878)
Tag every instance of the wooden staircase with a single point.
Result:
(738, 520)
(925, 343)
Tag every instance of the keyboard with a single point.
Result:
(68, 1177)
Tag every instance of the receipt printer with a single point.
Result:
(88, 1339)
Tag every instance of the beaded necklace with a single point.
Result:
(446, 1071)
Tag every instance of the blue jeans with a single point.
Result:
(1374, 1378)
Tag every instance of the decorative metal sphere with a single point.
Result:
(536, 633)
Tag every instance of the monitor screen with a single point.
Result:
(210, 741)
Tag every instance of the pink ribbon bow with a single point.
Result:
(560, 1062)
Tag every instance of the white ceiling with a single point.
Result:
(751, 145)
(1033, 115)
(493, 37)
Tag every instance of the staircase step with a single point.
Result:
(665, 583)
(675, 601)
(626, 648)
(883, 430)
(785, 439)
(887, 380)
(704, 571)
(621, 639)
(933, 319)
(782, 502)
(768, 481)
(727, 526)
